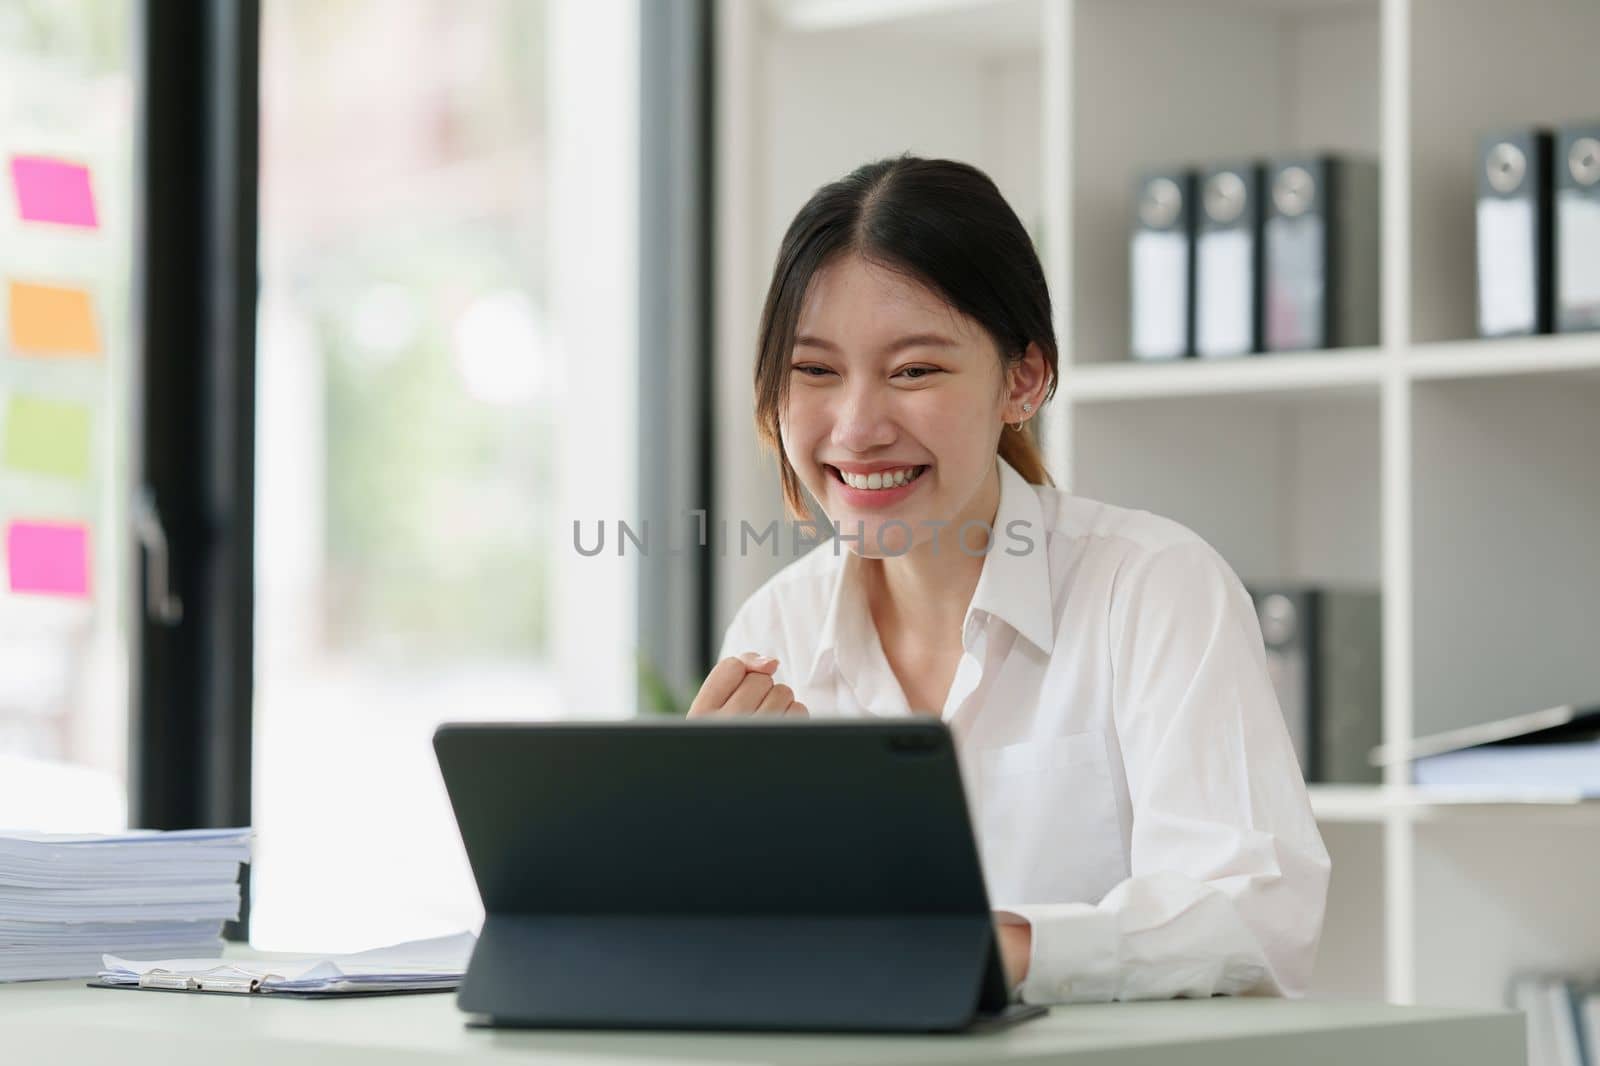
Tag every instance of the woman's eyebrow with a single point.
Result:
(910, 340)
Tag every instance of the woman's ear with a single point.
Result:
(1027, 381)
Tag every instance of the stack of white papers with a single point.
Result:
(67, 901)
(412, 967)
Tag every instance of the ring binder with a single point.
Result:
(1515, 251)
(1228, 260)
(1161, 267)
(1577, 214)
(1320, 254)
(177, 982)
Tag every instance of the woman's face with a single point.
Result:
(888, 383)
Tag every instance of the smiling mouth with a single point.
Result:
(890, 479)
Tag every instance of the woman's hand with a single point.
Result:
(1016, 947)
(742, 685)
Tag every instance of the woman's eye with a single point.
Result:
(919, 373)
(812, 371)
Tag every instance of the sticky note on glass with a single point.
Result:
(53, 190)
(46, 437)
(47, 320)
(48, 558)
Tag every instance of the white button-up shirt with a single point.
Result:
(1134, 790)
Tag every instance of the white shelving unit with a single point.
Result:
(1459, 476)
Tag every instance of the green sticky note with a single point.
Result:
(47, 437)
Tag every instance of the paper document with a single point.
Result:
(420, 964)
(68, 900)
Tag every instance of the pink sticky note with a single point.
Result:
(53, 190)
(51, 558)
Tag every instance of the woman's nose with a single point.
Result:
(863, 421)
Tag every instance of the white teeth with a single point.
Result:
(880, 480)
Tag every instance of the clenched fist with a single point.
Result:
(741, 685)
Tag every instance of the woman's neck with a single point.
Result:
(926, 591)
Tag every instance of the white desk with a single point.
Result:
(64, 1022)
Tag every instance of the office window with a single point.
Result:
(445, 359)
(66, 114)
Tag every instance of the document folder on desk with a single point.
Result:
(763, 875)
(434, 965)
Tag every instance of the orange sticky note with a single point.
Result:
(47, 320)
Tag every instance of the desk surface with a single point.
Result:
(63, 1021)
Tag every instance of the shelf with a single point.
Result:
(1257, 7)
(1468, 80)
(1575, 352)
(1454, 474)
(1213, 81)
(1284, 483)
(1353, 369)
(1350, 803)
(813, 16)
(989, 26)
(1376, 803)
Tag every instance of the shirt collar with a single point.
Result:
(1015, 584)
(847, 611)
(1015, 588)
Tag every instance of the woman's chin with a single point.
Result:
(871, 536)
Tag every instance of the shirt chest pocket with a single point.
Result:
(1048, 827)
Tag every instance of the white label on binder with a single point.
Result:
(1578, 273)
(1160, 265)
(1506, 282)
(1222, 294)
(1295, 285)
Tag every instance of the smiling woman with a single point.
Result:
(1140, 814)
(952, 390)
(974, 279)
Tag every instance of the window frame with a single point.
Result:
(194, 307)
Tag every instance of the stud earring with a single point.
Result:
(1027, 409)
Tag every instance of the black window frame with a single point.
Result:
(194, 306)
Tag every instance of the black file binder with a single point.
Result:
(1325, 658)
(1320, 254)
(1577, 211)
(1515, 249)
(1228, 279)
(757, 875)
(1161, 266)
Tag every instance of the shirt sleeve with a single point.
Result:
(1228, 873)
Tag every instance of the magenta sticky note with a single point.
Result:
(53, 190)
(48, 558)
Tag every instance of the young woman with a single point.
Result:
(1143, 824)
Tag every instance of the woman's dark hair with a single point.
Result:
(940, 222)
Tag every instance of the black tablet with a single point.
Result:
(757, 874)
